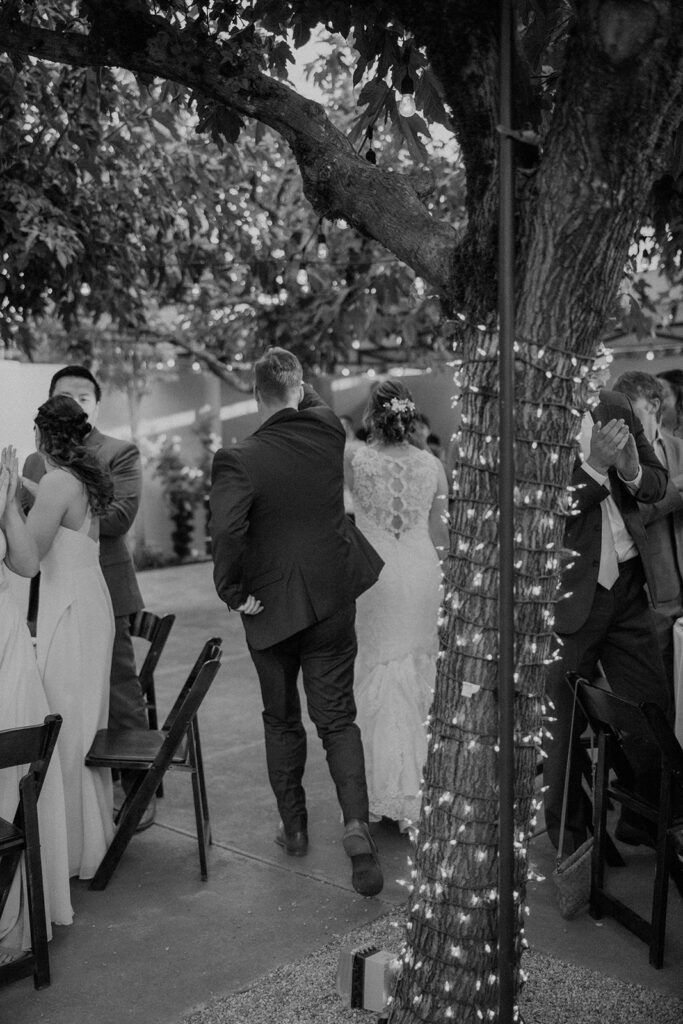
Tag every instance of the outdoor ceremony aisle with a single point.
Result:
(158, 943)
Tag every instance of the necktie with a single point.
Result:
(608, 573)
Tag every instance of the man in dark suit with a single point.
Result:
(286, 557)
(602, 612)
(126, 703)
(663, 519)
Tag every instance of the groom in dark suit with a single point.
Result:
(288, 558)
(602, 611)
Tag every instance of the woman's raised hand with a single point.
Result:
(10, 463)
(4, 485)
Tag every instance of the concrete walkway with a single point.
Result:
(158, 943)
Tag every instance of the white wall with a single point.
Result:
(23, 387)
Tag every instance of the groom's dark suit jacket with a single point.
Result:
(278, 525)
(583, 532)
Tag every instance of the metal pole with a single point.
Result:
(506, 480)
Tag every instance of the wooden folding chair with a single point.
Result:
(151, 753)
(155, 629)
(32, 746)
(614, 720)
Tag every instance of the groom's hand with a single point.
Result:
(252, 606)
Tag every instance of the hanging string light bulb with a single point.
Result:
(371, 155)
(406, 106)
(323, 251)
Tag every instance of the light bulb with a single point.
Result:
(406, 107)
(323, 251)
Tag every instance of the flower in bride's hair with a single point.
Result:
(400, 405)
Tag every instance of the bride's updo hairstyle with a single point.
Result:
(63, 428)
(390, 414)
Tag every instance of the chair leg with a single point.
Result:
(34, 883)
(130, 814)
(660, 889)
(200, 772)
(599, 829)
(676, 872)
(153, 722)
(8, 869)
(200, 810)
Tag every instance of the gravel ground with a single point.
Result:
(556, 992)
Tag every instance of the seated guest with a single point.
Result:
(75, 628)
(23, 703)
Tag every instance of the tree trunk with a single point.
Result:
(579, 216)
(134, 396)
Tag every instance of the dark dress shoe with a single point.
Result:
(359, 846)
(293, 843)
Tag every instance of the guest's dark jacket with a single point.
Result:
(278, 525)
(583, 532)
(123, 460)
(664, 524)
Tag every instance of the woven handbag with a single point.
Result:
(572, 879)
(572, 876)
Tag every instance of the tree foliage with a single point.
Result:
(116, 212)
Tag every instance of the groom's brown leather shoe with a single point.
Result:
(366, 874)
(293, 843)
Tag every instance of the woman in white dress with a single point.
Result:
(400, 503)
(23, 703)
(75, 628)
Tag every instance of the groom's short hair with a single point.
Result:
(277, 373)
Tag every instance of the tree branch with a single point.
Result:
(337, 181)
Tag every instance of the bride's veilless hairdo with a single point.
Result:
(390, 414)
(63, 428)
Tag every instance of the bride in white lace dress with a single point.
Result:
(400, 503)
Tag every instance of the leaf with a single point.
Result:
(429, 98)
(373, 95)
(228, 123)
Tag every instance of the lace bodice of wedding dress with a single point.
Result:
(394, 493)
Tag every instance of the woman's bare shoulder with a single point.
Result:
(58, 481)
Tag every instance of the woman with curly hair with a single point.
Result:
(75, 628)
(400, 502)
(672, 403)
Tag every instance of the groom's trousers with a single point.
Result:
(325, 653)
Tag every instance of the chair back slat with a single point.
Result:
(156, 630)
(144, 624)
(192, 699)
(211, 651)
(611, 712)
(665, 738)
(31, 745)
